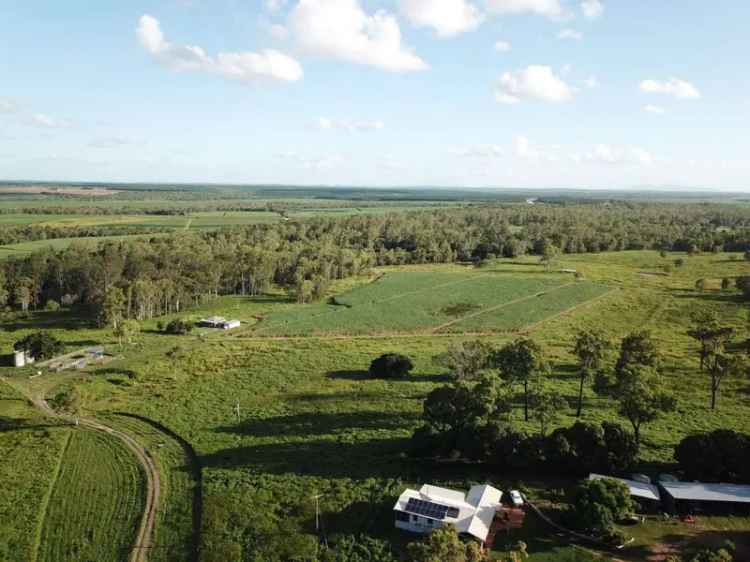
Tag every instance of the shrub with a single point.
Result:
(719, 456)
(52, 305)
(390, 366)
(178, 327)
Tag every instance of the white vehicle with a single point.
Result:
(516, 498)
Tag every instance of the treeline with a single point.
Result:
(165, 274)
(33, 233)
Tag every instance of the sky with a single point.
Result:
(456, 93)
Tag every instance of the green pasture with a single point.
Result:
(312, 422)
(408, 302)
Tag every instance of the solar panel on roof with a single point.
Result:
(430, 509)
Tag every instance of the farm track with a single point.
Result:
(144, 537)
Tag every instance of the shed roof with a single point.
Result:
(698, 491)
(637, 489)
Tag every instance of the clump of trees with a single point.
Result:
(178, 327)
(390, 366)
(40, 346)
(722, 455)
(599, 504)
(444, 545)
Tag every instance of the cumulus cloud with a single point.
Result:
(278, 31)
(680, 89)
(42, 120)
(592, 9)
(243, 66)
(326, 124)
(534, 82)
(341, 29)
(480, 151)
(503, 46)
(446, 17)
(275, 5)
(654, 109)
(615, 155)
(570, 34)
(547, 8)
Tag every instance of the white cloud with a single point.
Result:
(8, 105)
(503, 46)
(315, 162)
(42, 120)
(654, 109)
(673, 87)
(446, 17)
(340, 29)
(243, 66)
(616, 156)
(275, 5)
(591, 82)
(548, 8)
(534, 82)
(592, 9)
(571, 34)
(480, 151)
(326, 124)
(523, 149)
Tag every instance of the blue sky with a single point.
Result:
(475, 93)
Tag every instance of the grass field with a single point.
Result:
(408, 302)
(31, 449)
(313, 422)
(96, 503)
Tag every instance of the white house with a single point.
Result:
(219, 322)
(431, 507)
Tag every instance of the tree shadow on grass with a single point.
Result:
(362, 375)
(48, 320)
(323, 458)
(732, 298)
(322, 423)
(350, 375)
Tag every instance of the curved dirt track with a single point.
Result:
(145, 535)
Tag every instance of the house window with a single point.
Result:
(414, 519)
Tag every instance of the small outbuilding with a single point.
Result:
(219, 322)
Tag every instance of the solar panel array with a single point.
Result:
(430, 509)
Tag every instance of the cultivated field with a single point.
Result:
(96, 503)
(433, 302)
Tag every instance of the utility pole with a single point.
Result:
(237, 410)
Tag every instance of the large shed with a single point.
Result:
(689, 497)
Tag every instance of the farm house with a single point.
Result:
(431, 507)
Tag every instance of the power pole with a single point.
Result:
(237, 410)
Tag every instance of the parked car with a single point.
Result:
(516, 498)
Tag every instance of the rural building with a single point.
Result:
(690, 497)
(219, 322)
(76, 360)
(646, 494)
(431, 507)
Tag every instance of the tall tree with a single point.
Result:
(590, 348)
(465, 360)
(113, 308)
(724, 366)
(522, 362)
(637, 348)
(640, 397)
(547, 407)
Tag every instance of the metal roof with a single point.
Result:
(637, 489)
(476, 510)
(698, 491)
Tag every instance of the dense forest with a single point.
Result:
(168, 273)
